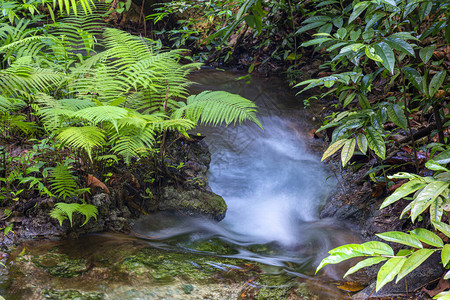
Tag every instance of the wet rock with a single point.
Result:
(71, 294)
(193, 203)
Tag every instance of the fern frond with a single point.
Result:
(85, 138)
(63, 211)
(216, 107)
(62, 181)
(88, 211)
(103, 113)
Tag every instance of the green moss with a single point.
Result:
(71, 294)
(272, 293)
(60, 265)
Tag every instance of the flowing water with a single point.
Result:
(273, 183)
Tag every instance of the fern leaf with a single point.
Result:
(216, 107)
(64, 211)
(88, 211)
(62, 181)
(85, 138)
(101, 114)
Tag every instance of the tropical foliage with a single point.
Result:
(79, 87)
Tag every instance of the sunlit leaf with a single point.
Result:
(365, 263)
(445, 254)
(376, 142)
(400, 238)
(389, 270)
(347, 151)
(333, 148)
(427, 237)
(415, 260)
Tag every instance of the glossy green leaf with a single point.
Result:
(442, 227)
(400, 238)
(445, 254)
(436, 83)
(362, 142)
(316, 41)
(427, 237)
(347, 151)
(363, 101)
(436, 209)
(358, 9)
(365, 263)
(333, 148)
(397, 116)
(425, 9)
(442, 158)
(415, 260)
(415, 78)
(425, 196)
(403, 191)
(400, 45)
(389, 270)
(309, 27)
(384, 51)
(426, 53)
(376, 142)
(432, 165)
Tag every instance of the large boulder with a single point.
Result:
(193, 203)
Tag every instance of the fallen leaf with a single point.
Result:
(351, 286)
(441, 286)
(93, 182)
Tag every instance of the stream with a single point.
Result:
(266, 247)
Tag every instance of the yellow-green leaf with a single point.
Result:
(365, 263)
(425, 196)
(347, 151)
(442, 227)
(376, 142)
(427, 237)
(445, 254)
(333, 148)
(362, 142)
(403, 191)
(401, 238)
(415, 260)
(389, 270)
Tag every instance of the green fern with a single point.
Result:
(62, 182)
(216, 107)
(64, 211)
(86, 138)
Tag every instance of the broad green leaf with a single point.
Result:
(358, 9)
(442, 158)
(310, 26)
(405, 175)
(376, 142)
(397, 115)
(401, 45)
(349, 249)
(384, 51)
(362, 142)
(341, 33)
(349, 99)
(415, 260)
(390, 2)
(432, 165)
(426, 53)
(377, 248)
(416, 79)
(447, 34)
(429, 193)
(403, 191)
(406, 210)
(347, 151)
(436, 83)
(337, 258)
(445, 254)
(442, 227)
(315, 42)
(401, 238)
(425, 9)
(389, 270)
(333, 148)
(427, 237)
(365, 263)
(436, 209)
(363, 101)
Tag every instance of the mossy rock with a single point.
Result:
(193, 203)
(61, 265)
(71, 294)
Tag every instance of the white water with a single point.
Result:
(269, 180)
